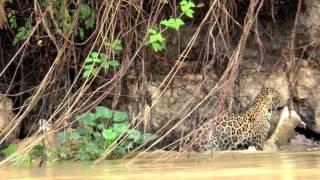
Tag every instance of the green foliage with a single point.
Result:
(12, 19)
(172, 23)
(38, 150)
(63, 14)
(95, 62)
(157, 41)
(25, 159)
(87, 17)
(9, 150)
(23, 33)
(187, 7)
(115, 46)
(96, 132)
(44, 3)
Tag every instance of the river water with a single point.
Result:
(292, 163)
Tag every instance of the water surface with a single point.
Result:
(291, 163)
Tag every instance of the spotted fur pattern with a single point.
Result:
(237, 131)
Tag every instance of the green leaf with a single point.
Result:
(88, 67)
(152, 31)
(82, 149)
(189, 13)
(114, 63)
(103, 57)
(101, 126)
(94, 71)
(38, 150)
(88, 60)
(148, 137)
(120, 116)
(117, 46)
(103, 112)
(9, 150)
(75, 135)
(81, 32)
(187, 7)
(92, 148)
(82, 131)
(25, 160)
(157, 47)
(109, 134)
(22, 29)
(86, 74)
(121, 151)
(134, 134)
(85, 11)
(96, 135)
(120, 127)
(89, 23)
(105, 64)
(94, 55)
(156, 38)
(85, 157)
(173, 23)
(87, 119)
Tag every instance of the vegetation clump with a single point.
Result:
(98, 131)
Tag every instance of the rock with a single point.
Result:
(184, 93)
(310, 18)
(308, 94)
(6, 116)
(3, 17)
(251, 82)
(181, 96)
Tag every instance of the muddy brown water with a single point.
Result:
(290, 163)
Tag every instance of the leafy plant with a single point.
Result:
(12, 19)
(23, 33)
(157, 41)
(187, 7)
(9, 150)
(25, 159)
(115, 46)
(172, 23)
(97, 131)
(95, 62)
(38, 150)
(87, 17)
(44, 3)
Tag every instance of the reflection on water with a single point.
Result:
(286, 164)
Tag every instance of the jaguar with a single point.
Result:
(239, 130)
